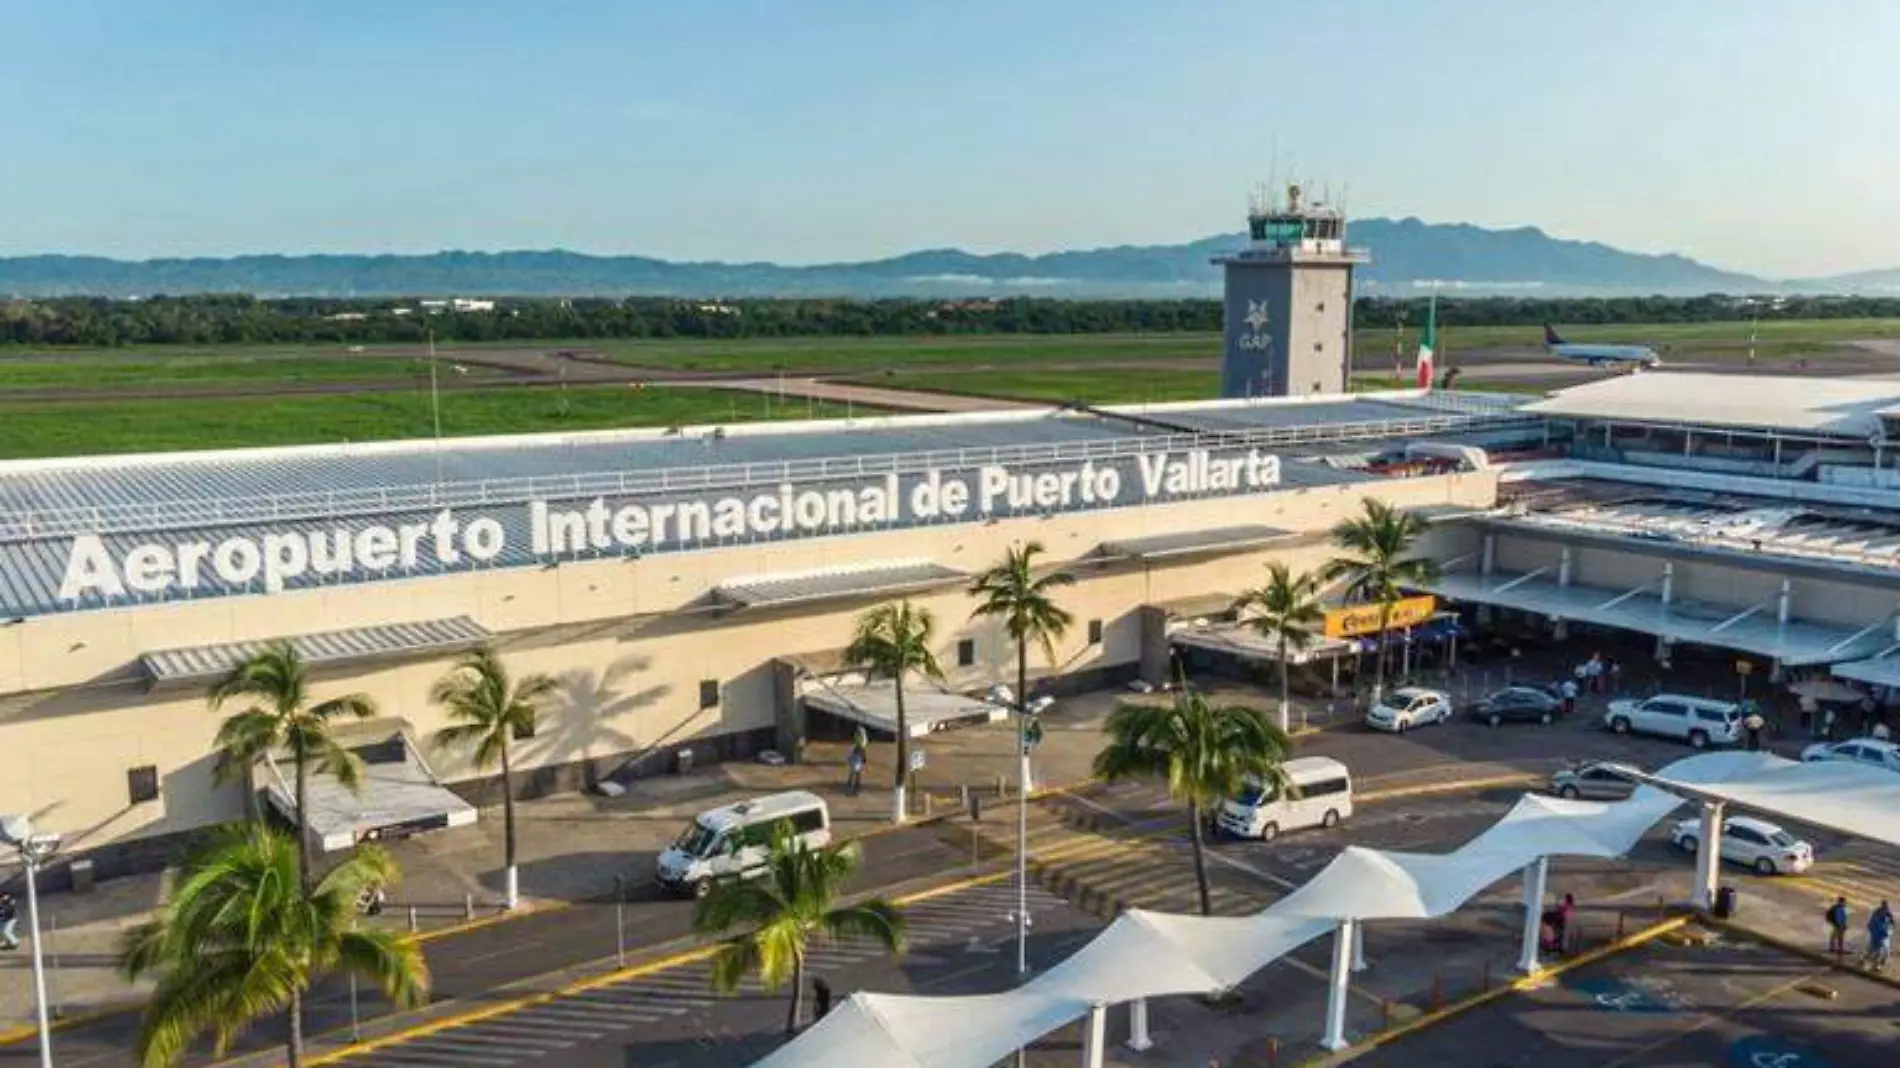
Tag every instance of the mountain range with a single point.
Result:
(1408, 257)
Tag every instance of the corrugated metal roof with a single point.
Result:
(1843, 407)
(201, 662)
(778, 591)
(1189, 542)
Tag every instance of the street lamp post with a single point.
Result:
(35, 850)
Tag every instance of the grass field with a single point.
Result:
(108, 370)
(1089, 387)
(1774, 339)
(878, 353)
(95, 428)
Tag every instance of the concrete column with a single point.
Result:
(1359, 947)
(1559, 628)
(1784, 604)
(1565, 559)
(1776, 672)
(1155, 647)
(1535, 875)
(1668, 582)
(1338, 987)
(1094, 1038)
(1708, 854)
(1138, 1039)
(1488, 559)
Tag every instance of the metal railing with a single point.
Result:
(179, 513)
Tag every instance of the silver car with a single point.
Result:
(1600, 780)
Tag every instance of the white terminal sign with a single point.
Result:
(450, 540)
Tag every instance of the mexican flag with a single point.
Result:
(1428, 344)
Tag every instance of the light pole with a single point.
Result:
(35, 849)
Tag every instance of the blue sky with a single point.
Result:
(1755, 134)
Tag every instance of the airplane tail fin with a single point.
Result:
(1550, 336)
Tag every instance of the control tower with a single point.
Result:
(1288, 308)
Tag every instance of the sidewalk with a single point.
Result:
(572, 847)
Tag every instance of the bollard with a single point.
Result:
(1273, 1053)
(1438, 992)
(1385, 1014)
(1619, 925)
(468, 906)
(1485, 980)
(414, 926)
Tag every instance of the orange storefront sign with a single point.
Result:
(1364, 618)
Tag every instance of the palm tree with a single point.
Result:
(893, 640)
(1377, 566)
(794, 902)
(488, 711)
(1204, 753)
(239, 940)
(276, 681)
(1284, 611)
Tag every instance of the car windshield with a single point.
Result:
(1254, 794)
(695, 840)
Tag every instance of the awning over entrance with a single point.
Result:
(200, 663)
(872, 580)
(397, 794)
(1242, 641)
(1748, 629)
(1195, 542)
(874, 704)
(1882, 670)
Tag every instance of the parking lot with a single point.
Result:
(1669, 1003)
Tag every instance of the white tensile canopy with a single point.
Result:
(1150, 954)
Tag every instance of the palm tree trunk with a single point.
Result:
(1200, 859)
(293, 1046)
(1286, 724)
(303, 826)
(898, 808)
(513, 893)
(798, 995)
(1378, 671)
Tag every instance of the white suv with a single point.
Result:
(1753, 843)
(1408, 707)
(1700, 721)
(1868, 752)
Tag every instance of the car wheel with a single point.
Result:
(1698, 740)
(702, 888)
(1494, 719)
(1764, 866)
(1687, 843)
(1620, 725)
(1269, 831)
(1330, 820)
(1570, 793)
(1544, 719)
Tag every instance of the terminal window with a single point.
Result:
(1095, 632)
(966, 652)
(521, 732)
(142, 783)
(708, 693)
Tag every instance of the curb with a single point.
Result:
(1826, 959)
(1424, 1020)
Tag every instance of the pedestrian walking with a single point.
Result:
(1837, 920)
(9, 922)
(1593, 673)
(1810, 708)
(854, 775)
(1754, 724)
(821, 998)
(1827, 724)
(1880, 732)
(1567, 690)
(1879, 938)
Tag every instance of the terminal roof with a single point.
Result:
(1837, 407)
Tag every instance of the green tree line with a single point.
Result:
(225, 319)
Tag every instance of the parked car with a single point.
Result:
(1752, 843)
(1408, 707)
(1870, 752)
(1598, 780)
(1515, 704)
(1700, 721)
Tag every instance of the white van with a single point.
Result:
(735, 842)
(1321, 797)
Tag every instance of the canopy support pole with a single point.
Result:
(1138, 1039)
(1339, 986)
(1536, 874)
(1359, 947)
(1094, 1040)
(1708, 854)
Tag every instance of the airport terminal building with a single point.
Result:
(691, 589)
